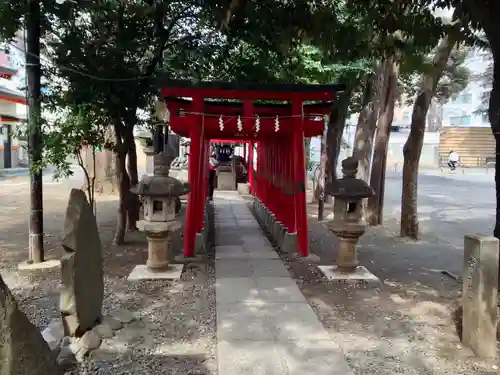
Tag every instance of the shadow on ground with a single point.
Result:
(178, 335)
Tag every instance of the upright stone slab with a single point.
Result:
(22, 348)
(81, 267)
(480, 295)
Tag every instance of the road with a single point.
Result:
(449, 204)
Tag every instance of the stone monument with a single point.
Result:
(348, 224)
(160, 193)
(81, 268)
(480, 295)
(22, 348)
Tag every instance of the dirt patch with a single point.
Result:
(179, 315)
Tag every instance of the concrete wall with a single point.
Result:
(430, 150)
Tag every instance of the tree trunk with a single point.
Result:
(375, 205)
(105, 174)
(413, 146)
(35, 141)
(123, 186)
(367, 122)
(440, 113)
(494, 117)
(320, 188)
(333, 143)
(133, 207)
(433, 116)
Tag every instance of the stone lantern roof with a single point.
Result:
(350, 187)
(160, 184)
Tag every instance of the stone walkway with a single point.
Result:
(265, 326)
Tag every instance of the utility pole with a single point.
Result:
(33, 72)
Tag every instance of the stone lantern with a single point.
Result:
(160, 193)
(348, 223)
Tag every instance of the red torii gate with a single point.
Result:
(279, 177)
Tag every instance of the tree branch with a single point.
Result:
(164, 35)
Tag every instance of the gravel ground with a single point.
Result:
(176, 330)
(405, 325)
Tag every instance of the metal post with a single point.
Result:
(299, 179)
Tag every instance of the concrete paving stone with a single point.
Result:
(295, 321)
(248, 224)
(249, 358)
(278, 290)
(257, 238)
(227, 226)
(222, 239)
(233, 268)
(224, 213)
(243, 322)
(244, 215)
(253, 247)
(225, 220)
(249, 231)
(230, 252)
(322, 357)
(268, 268)
(261, 254)
(233, 290)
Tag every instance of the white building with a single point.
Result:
(13, 107)
(464, 109)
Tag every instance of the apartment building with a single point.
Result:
(464, 109)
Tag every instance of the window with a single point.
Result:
(485, 118)
(467, 98)
(461, 120)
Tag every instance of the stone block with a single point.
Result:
(480, 295)
(289, 243)
(143, 272)
(200, 243)
(360, 275)
(104, 331)
(318, 357)
(81, 267)
(113, 323)
(66, 359)
(53, 333)
(23, 349)
(249, 357)
(226, 181)
(244, 189)
(278, 233)
(230, 317)
(28, 269)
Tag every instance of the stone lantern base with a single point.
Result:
(143, 272)
(157, 265)
(347, 269)
(360, 275)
